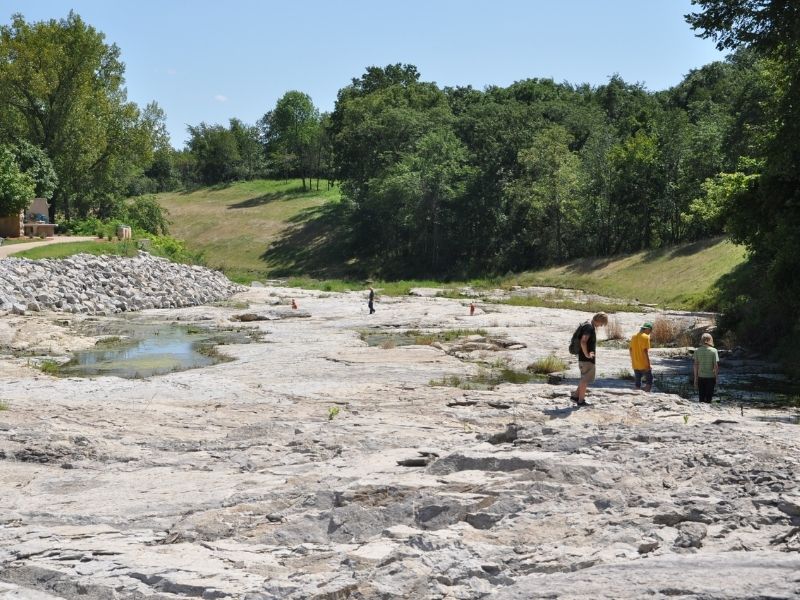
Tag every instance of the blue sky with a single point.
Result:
(210, 60)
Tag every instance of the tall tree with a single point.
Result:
(292, 129)
(552, 182)
(62, 89)
(766, 216)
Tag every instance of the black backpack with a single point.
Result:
(575, 342)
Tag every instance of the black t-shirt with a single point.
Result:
(591, 343)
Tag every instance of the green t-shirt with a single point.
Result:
(706, 357)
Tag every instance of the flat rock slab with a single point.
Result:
(314, 466)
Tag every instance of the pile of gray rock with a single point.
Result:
(107, 284)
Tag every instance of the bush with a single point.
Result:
(665, 332)
(173, 249)
(147, 214)
(88, 226)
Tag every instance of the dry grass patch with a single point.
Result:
(614, 329)
(665, 332)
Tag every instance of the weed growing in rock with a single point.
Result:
(451, 381)
(548, 364)
(3, 405)
(332, 412)
(454, 334)
(685, 419)
(624, 374)
(49, 366)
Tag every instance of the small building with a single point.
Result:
(32, 222)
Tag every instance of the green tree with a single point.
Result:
(16, 188)
(552, 173)
(765, 217)
(216, 153)
(377, 123)
(35, 162)
(292, 129)
(62, 89)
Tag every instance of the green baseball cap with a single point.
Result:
(647, 326)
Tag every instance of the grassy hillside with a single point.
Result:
(680, 276)
(235, 225)
(261, 229)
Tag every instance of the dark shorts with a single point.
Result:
(638, 375)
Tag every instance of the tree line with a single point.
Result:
(455, 181)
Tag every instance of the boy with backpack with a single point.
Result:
(584, 344)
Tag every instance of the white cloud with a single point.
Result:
(220, 98)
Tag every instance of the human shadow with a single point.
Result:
(316, 244)
(561, 413)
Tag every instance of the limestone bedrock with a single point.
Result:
(316, 466)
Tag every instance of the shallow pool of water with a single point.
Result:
(139, 350)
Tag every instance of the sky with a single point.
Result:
(211, 60)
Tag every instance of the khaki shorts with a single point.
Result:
(587, 372)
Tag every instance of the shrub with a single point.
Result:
(173, 249)
(624, 374)
(49, 366)
(665, 332)
(147, 214)
(614, 329)
(548, 364)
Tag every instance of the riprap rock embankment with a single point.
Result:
(107, 284)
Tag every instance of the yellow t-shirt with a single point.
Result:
(640, 344)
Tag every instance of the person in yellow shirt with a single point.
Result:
(640, 358)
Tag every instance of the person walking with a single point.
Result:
(371, 301)
(586, 355)
(640, 358)
(706, 368)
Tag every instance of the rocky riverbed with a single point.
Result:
(317, 466)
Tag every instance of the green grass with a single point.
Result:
(595, 307)
(679, 277)
(97, 248)
(49, 366)
(548, 364)
(3, 405)
(256, 229)
(274, 229)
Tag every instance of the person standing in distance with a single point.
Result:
(371, 301)
(706, 368)
(586, 355)
(640, 358)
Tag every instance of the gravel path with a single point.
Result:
(9, 249)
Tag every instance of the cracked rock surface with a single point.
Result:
(315, 466)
